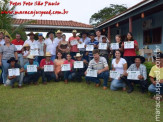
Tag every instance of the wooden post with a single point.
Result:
(130, 24)
(109, 34)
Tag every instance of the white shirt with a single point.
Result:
(41, 47)
(26, 53)
(51, 46)
(119, 67)
(57, 40)
(2, 42)
(30, 42)
(100, 39)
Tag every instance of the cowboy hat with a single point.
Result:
(11, 59)
(140, 57)
(48, 54)
(50, 32)
(58, 31)
(74, 31)
(31, 33)
(78, 55)
(30, 57)
(26, 45)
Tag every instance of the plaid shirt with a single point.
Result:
(142, 69)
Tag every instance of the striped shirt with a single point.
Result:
(95, 42)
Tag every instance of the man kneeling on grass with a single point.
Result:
(49, 71)
(101, 66)
(31, 71)
(12, 76)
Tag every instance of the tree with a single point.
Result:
(107, 13)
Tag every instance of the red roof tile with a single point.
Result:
(53, 23)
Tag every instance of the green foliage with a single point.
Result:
(148, 65)
(107, 13)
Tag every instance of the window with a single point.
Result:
(153, 36)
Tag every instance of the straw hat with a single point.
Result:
(74, 31)
(58, 31)
(26, 45)
(78, 55)
(48, 54)
(30, 57)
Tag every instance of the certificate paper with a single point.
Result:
(133, 75)
(129, 45)
(74, 42)
(115, 46)
(81, 45)
(65, 67)
(89, 48)
(48, 68)
(34, 52)
(102, 46)
(78, 64)
(114, 74)
(19, 47)
(14, 72)
(91, 73)
(31, 68)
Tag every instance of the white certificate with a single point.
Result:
(31, 68)
(115, 46)
(65, 67)
(114, 74)
(14, 72)
(19, 47)
(129, 45)
(82, 45)
(89, 47)
(91, 73)
(78, 64)
(133, 75)
(102, 46)
(34, 52)
(74, 42)
(34, 46)
(48, 68)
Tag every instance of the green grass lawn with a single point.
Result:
(74, 102)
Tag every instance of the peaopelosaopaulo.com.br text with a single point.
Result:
(34, 12)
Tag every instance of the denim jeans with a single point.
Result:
(39, 58)
(5, 67)
(48, 75)
(103, 75)
(20, 59)
(18, 78)
(53, 57)
(68, 75)
(28, 78)
(116, 84)
(152, 88)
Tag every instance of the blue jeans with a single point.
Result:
(68, 75)
(103, 75)
(20, 59)
(47, 76)
(5, 67)
(152, 88)
(18, 78)
(115, 84)
(53, 57)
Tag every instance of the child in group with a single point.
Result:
(26, 53)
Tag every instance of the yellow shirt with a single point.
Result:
(156, 72)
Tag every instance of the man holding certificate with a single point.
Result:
(15, 72)
(97, 69)
(80, 66)
(31, 71)
(137, 74)
(67, 68)
(47, 69)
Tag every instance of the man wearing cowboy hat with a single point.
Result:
(13, 79)
(48, 75)
(74, 48)
(79, 72)
(31, 41)
(137, 66)
(50, 45)
(31, 76)
(59, 36)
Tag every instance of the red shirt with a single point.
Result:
(130, 52)
(74, 47)
(71, 63)
(44, 62)
(15, 42)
